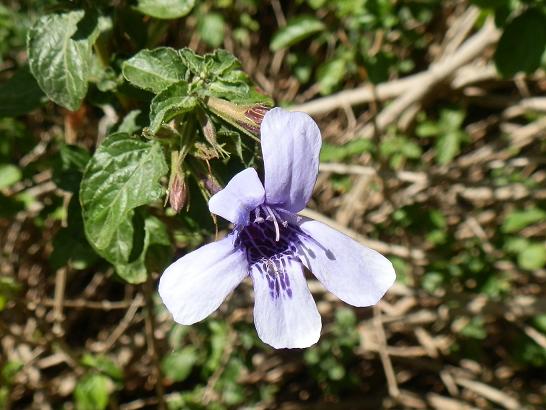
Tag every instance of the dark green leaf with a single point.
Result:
(522, 44)
(169, 103)
(154, 70)
(60, 53)
(330, 75)
(123, 174)
(165, 9)
(295, 31)
(20, 94)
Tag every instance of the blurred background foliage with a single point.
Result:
(444, 173)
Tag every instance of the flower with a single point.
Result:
(272, 245)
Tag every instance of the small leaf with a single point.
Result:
(522, 44)
(9, 175)
(165, 9)
(211, 28)
(123, 174)
(60, 52)
(330, 75)
(533, 257)
(177, 365)
(169, 103)
(154, 70)
(517, 220)
(295, 31)
(20, 94)
(92, 393)
(447, 147)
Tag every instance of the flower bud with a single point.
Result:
(178, 193)
(245, 117)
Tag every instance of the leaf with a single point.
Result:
(103, 364)
(155, 233)
(165, 9)
(522, 44)
(9, 175)
(91, 392)
(211, 28)
(330, 75)
(177, 365)
(296, 30)
(123, 174)
(60, 52)
(533, 257)
(447, 147)
(517, 220)
(169, 103)
(20, 94)
(154, 70)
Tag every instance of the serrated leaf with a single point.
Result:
(171, 102)
(165, 9)
(123, 174)
(154, 70)
(296, 30)
(20, 94)
(522, 44)
(194, 62)
(60, 52)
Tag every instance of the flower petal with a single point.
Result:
(357, 275)
(195, 285)
(290, 145)
(285, 313)
(240, 196)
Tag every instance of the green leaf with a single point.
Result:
(165, 9)
(517, 220)
(103, 364)
(154, 70)
(20, 94)
(9, 175)
(60, 53)
(169, 103)
(177, 365)
(211, 27)
(522, 44)
(91, 392)
(330, 75)
(533, 257)
(123, 174)
(155, 233)
(447, 147)
(295, 31)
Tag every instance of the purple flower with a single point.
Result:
(272, 245)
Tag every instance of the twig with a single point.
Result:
(394, 391)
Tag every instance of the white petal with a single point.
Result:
(285, 317)
(240, 196)
(357, 275)
(290, 145)
(195, 285)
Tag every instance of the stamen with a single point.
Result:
(275, 223)
(257, 217)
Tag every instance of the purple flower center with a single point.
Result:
(270, 245)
